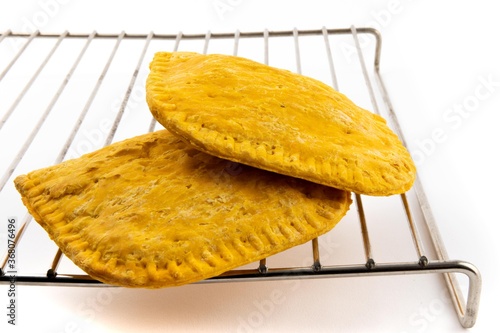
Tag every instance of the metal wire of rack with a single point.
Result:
(433, 259)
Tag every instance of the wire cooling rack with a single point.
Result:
(55, 91)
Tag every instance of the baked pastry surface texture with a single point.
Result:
(273, 119)
(152, 211)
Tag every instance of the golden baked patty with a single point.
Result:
(152, 211)
(273, 119)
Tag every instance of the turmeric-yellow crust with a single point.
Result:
(153, 212)
(273, 119)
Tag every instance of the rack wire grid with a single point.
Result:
(46, 78)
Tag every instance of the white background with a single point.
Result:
(435, 56)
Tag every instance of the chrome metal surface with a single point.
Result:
(433, 261)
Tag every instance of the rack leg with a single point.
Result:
(466, 311)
